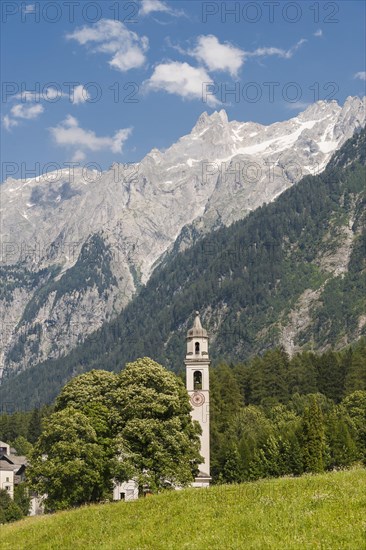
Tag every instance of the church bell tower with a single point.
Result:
(197, 364)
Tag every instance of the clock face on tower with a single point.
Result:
(197, 399)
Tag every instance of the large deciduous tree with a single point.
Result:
(68, 463)
(154, 423)
(116, 426)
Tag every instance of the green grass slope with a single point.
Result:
(324, 511)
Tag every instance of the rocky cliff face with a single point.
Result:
(77, 244)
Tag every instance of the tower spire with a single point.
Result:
(197, 364)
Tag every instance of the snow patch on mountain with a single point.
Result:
(215, 175)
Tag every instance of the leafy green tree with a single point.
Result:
(22, 498)
(341, 446)
(302, 373)
(270, 380)
(35, 426)
(331, 375)
(356, 368)
(67, 463)
(226, 399)
(298, 403)
(313, 439)
(252, 429)
(232, 467)
(155, 426)
(271, 453)
(258, 466)
(294, 458)
(12, 425)
(22, 446)
(92, 387)
(9, 510)
(225, 402)
(355, 406)
(136, 424)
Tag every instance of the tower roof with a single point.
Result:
(197, 330)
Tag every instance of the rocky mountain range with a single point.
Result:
(291, 274)
(77, 244)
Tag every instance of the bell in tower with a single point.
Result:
(197, 380)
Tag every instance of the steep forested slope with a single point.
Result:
(291, 273)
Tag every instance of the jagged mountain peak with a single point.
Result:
(205, 120)
(213, 176)
(291, 274)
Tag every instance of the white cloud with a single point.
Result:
(154, 6)
(22, 110)
(79, 95)
(69, 134)
(29, 8)
(113, 37)
(218, 57)
(286, 54)
(70, 122)
(181, 79)
(8, 122)
(361, 75)
(192, 82)
(130, 59)
(51, 93)
(318, 33)
(297, 105)
(26, 110)
(46, 94)
(27, 96)
(78, 156)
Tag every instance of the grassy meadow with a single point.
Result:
(324, 511)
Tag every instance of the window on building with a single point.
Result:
(197, 347)
(197, 380)
(122, 496)
(7, 479)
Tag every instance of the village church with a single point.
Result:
(197, 364)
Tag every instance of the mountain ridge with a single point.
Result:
(248, 280)
(215, 175)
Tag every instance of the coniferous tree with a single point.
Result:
(313, 439)
(355, 378)
(258, 466)
(35, 426)
(295, 462)
(231, 470)
(355, 406)
(9, 510)
(341, 447)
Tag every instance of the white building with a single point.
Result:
(128, 490)
(7, 477)
(197, 364)
(12, 468)
(12, 472)
(198, 386)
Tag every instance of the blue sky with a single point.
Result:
(108, 81)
